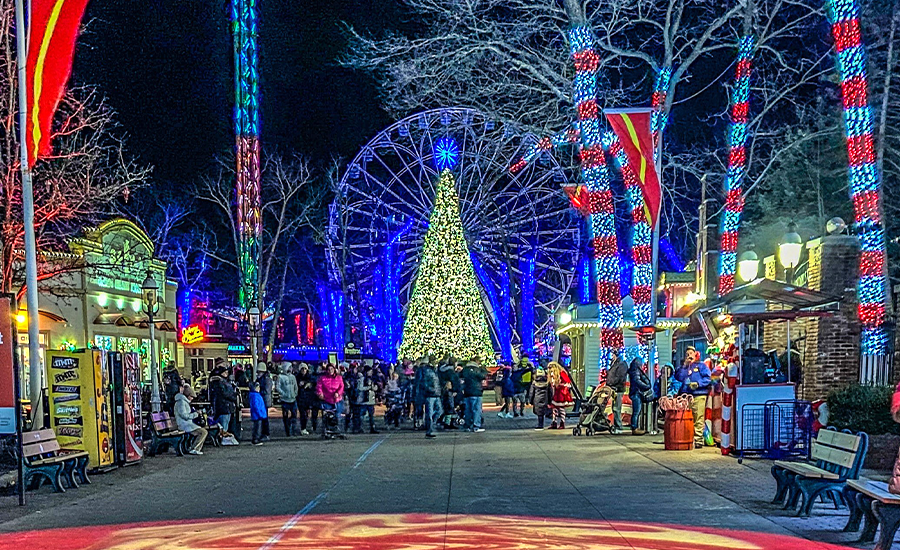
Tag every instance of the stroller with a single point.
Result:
(593, 417)
(331, 425)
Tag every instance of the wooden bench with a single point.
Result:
(837, 458)
(164, 432)
(871, 500)
(45, 459)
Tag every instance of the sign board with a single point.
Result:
(7, 369)
(192, 335)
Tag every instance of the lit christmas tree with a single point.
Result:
(445, 313)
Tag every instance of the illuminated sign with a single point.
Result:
(192, 335)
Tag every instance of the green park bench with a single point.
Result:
(837, 458)
(45, 459)
(164, 433)
(871, 500)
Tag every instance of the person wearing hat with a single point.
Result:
(540, 395)
(223, 396)
(306, 398)
(265, 391)
(473, 376)
(287, 396)
(184, 418)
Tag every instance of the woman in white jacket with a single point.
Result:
(184, 417)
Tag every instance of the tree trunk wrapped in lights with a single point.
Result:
(445, 313)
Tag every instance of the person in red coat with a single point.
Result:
(560, 394)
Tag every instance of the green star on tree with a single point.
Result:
(446, 314)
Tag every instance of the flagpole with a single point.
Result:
(35, 384)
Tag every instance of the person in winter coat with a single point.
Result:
(521, 385)
(223, 397)
(306, 398)
(540, 395)
(287, 395)
(615, 379)
(172, 383)
(428, 390)
(695, 379)
(473, 375)
(184, 418)
(258, 412)
(330, 391)
(365, 400)
(507, 391)
(350, 392)
(894, 483)
(560, 395)
(266, 387)
(450, 384)
(640, 383)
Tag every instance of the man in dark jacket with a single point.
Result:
(222, 396)
(473, 376)
(640, 383)
(172, 383)
(428, 390)
(450, 383)
(615, 379)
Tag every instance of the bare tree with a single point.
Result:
(77, 185)
(293, 204)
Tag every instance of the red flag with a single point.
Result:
(52, 34)
(633, 128)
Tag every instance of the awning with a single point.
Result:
(764, 299)
(117, 319)
(161, 324)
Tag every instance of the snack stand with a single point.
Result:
(753, 381)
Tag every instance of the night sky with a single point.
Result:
(166, 68)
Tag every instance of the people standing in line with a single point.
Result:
(265, 391)
(365, 400)
(639, 384)
(350, 379)
(184, 418)
(222, 396)
(498, 385)
(306, 399)
(473, 376)
(507, 391)
(330, 391)
(695, 379)
(258, 412)
(393, 400)
(561, 395)
(615, 379)
(287, 396)
(540, 395)
(428, 390)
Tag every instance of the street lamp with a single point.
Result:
(748, 266)
(150, 294)
(253, 318)
(789, 252)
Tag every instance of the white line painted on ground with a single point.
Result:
(295, 519)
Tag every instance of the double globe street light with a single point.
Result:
(150, 296)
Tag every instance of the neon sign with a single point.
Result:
(192, 335)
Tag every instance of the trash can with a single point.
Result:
(679, 430)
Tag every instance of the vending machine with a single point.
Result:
(80, 401)
(125, 371)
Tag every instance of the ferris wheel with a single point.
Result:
(524, 240)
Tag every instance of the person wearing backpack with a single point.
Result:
(615, 379)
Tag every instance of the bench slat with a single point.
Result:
(833, 455)
(841, 440)
(38, 436)
(36, 449)
(875, 489)
(806, 470)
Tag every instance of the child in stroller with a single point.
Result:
(592, 418)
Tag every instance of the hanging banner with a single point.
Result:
(633, 127)
(7, 369)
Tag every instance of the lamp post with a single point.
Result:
(748, 266)
(789, 252)
(151, 305)
(253, 318)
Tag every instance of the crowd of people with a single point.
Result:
(427, 394)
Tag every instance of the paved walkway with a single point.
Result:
(508, 470)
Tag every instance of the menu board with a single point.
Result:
(66, 405)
